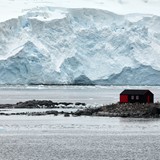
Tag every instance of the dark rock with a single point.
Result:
(6, 106)
(79, 103)
(86, 112)
(52, 112)
(65, 103)
(78, 113)
(66, 115)
(36, 104)
(36, 113)
(123, 110)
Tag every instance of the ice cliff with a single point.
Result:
(77, 46)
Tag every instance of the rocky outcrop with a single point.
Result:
(134, 110)
(42, 104)
(124, 110)
(55, 113)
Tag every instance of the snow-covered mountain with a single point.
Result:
(79, 46)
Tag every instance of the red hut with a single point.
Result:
(136, 96)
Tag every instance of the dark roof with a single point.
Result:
(135, 92)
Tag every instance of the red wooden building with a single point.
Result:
(136, 96)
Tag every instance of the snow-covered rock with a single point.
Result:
(57, 46)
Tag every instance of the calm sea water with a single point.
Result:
(76, 138)
(87, 94)
(81, 138)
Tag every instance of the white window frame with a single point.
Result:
(132, 97)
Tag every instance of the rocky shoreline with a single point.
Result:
(133, 110)
(42, 104)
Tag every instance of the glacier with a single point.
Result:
(53, 45)
(14, 8)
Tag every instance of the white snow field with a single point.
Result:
(80, 42)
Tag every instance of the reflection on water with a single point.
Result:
(139, 120)
(80, 138)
